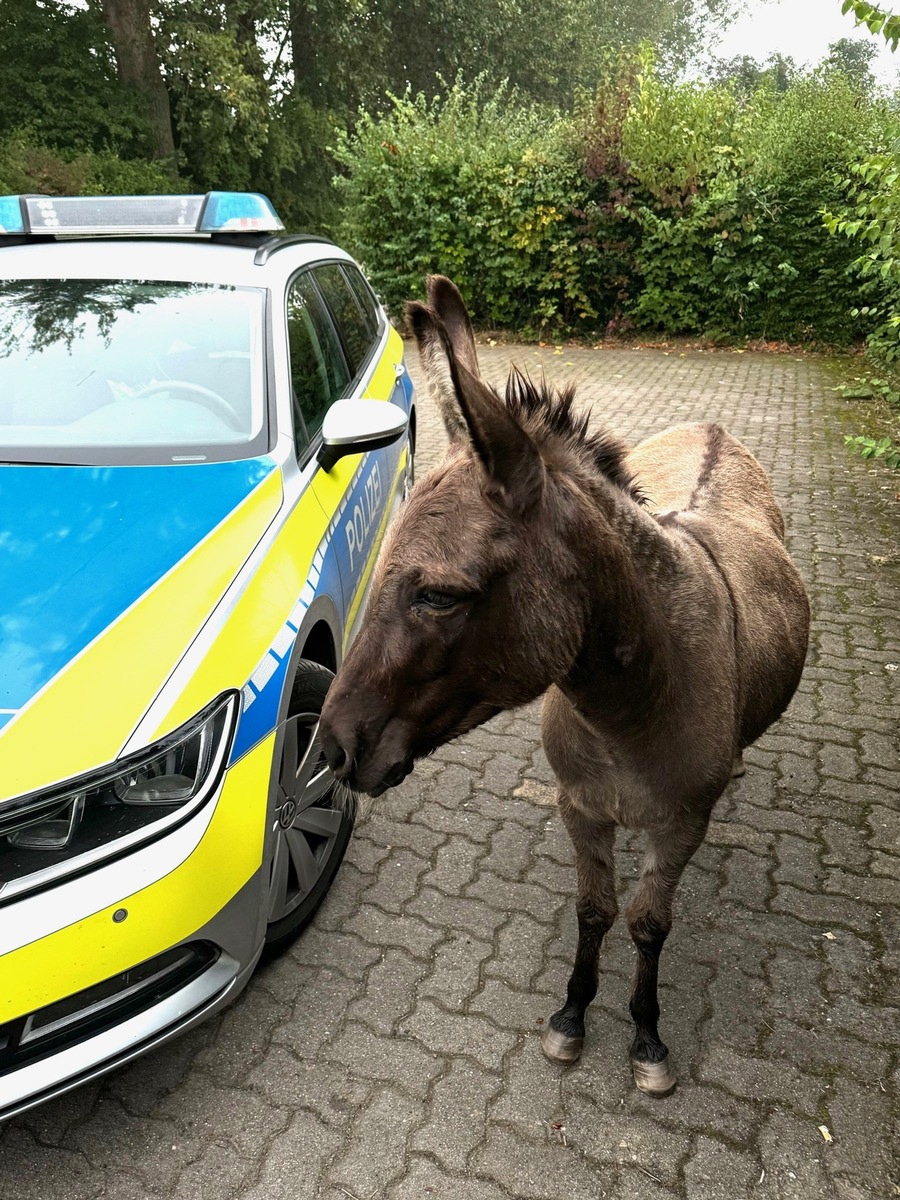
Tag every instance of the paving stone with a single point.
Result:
(793, 1154)
(455, 969)
(32, 1172)
(427, 1181)
(519, 955)
(319, 1014)
(625, 1139)
(452, 786)
(759, 1079)
(542, 1172)
(457, 1114)
(510, 852)
(823, 1049)
(333, 1091)
(516, 1011)
(719, 1172)
(390, 992)
(824, 910)
(399, 1060)
(499, 894)
(377, 1154)
(455, 865)
(154, 1149)
(406, 932)
(398, 880)
(859, 1119)
(296, 1161)
(451, 913)
(458, 1034)
(217, 1174)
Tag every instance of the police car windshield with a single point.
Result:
(130, 371)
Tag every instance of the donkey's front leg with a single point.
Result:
(563, 1039)
(649, 917)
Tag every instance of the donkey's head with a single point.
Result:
(477, 602)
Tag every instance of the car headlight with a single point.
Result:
(70, 825)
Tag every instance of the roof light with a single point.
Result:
(11, 219)
(216, 212)
(238, 211)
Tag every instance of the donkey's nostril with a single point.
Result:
(338, 754)
(337, 758)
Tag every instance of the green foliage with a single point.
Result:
(869, 448)
(26, 166)
(696, 209)
(871, 221)
(876, 19)
(481, 188)
(722, 191)
(58, 82)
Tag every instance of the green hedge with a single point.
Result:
(684, 208)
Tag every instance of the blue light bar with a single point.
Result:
(225, 211)
(216, 212)
(11, 218)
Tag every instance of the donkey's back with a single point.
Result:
(702, 481)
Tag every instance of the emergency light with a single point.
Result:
(216, 212)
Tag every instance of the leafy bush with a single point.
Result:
(26, 166)
(484, 189)
(871, 221)
(728, 202)
(868, 447)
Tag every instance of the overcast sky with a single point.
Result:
(801, 29)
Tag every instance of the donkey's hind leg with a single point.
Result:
(649, 917)
(596, 906)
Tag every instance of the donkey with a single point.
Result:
(648, 593)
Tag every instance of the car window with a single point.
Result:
(365, 299)
(319, 373)
(350, 319)
(127, 370)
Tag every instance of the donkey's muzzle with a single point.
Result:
(366, 760)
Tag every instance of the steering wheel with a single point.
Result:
(201, 395)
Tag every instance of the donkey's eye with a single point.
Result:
(427, 598)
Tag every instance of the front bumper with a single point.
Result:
(26, 1086)
(201, 884)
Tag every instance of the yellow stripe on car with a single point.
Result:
(159, 915)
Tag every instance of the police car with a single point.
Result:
(204, 430)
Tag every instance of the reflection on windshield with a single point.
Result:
(109, 371)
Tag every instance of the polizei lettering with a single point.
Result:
(364, 514)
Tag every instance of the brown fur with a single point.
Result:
(647, 593)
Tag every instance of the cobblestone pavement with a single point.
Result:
(393, 1052)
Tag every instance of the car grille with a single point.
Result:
(31, 1037)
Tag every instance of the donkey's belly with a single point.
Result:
(651, 790)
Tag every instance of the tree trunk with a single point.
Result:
(306, 80)
(139, 67)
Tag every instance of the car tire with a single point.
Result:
(311, 826)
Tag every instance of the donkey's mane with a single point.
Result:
(544, 409)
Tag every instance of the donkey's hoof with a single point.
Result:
(738, 767)
(656, 1079)
(560, 1048)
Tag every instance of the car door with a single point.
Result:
(339, 349)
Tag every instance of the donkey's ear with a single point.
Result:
(510, 457)
(444, 298)
(433, 345)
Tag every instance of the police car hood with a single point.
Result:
(81, 550)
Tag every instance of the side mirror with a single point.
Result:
(355, 426)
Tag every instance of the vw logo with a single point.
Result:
(287, 813)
